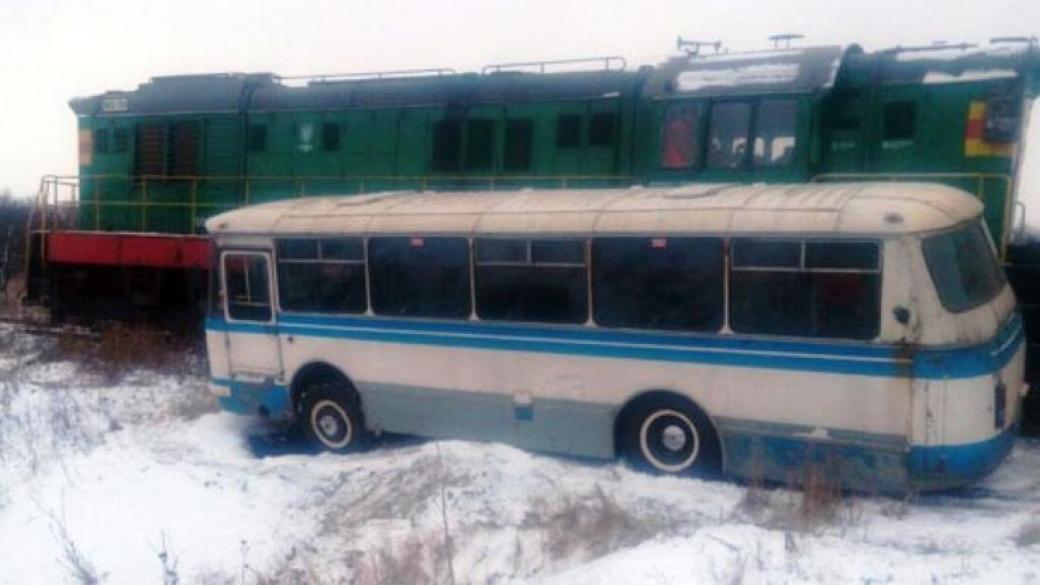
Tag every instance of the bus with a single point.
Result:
(861, 330)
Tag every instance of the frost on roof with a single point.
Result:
(954, 64)
(786, 71)
(768, 74)
(968, 75)
(960, 52)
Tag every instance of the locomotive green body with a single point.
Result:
(176, 150)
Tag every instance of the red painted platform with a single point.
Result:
(129, 249)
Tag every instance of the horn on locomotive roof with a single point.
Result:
(786, 39)
(693, 47)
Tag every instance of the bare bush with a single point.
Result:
(592, 526)
(811, 502)
(413, 561)
(119, 348)
(79, 568)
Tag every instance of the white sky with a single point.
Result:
(52, 50)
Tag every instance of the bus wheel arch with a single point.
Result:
(327, 408)
(667, 432)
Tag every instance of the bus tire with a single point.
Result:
(670, 437)
(331, 419)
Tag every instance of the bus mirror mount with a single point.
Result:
(902, 314)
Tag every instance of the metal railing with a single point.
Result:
(81, 202)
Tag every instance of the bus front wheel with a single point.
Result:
(669, 437)
(331, 420)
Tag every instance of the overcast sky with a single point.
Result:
(52, 50)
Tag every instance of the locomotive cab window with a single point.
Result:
(775, 132)
(680, 142)
(728, 135)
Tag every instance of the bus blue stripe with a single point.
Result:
(730, 350)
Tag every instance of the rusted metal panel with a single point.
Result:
(123, 249)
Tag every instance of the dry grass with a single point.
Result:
(119, 348)
(592, 526)
(812, 501)
(1029, 534)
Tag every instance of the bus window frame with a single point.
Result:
(271, 289)
(363, 262)
(876, 241)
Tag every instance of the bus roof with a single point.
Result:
(822, 208)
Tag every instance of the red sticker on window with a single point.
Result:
(659, 243)
(417, 242)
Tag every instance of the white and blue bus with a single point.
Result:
(865, 330)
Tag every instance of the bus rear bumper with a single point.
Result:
(938, 467)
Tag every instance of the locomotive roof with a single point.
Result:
(946, 63)
(235, 92)
(822, 208)
(800, 70)
(779, 71)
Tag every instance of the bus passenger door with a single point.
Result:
(251, 334)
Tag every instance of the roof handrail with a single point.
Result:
(784, 38)
(607, 61)
(932, 47)
(360, 76)
(693, 47)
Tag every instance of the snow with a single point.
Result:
(969, 75)
(766, 73)
(941, 53)
(119, 468)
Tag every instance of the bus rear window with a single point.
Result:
(963, 267)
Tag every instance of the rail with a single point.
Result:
(607, 62)
(370, 75)
(80, 202)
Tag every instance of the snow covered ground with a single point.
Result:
(141, 480)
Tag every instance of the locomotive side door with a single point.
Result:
(251, 333)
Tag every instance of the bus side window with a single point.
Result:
(322, 275)
(420, 276)
(816, 288)
(246, 283)
(523, 280)
(658, 283)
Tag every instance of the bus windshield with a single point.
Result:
(963, 267)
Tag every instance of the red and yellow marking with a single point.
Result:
(974, 137)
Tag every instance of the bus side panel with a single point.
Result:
(470, 382)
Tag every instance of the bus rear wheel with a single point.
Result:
(670, 438)
(331, 420)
